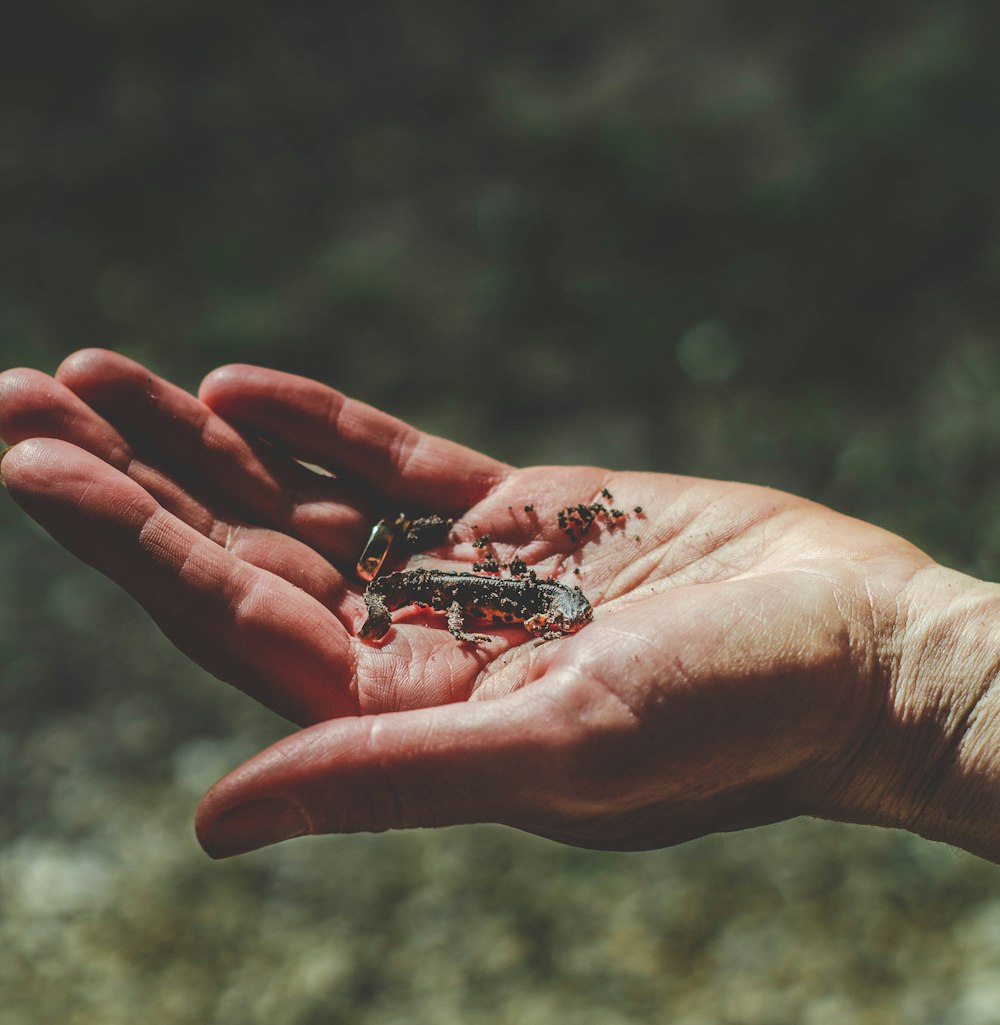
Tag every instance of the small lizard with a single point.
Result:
(546, 608)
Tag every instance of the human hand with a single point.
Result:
(753, 656)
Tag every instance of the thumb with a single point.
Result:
(471, 762)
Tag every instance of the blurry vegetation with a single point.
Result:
(756, 241)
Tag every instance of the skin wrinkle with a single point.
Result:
(335, 415)
(628, 699)
(959, 722)
(744, 611)
(622, 588)
(494, 490)
(631, 592)
(977, 755)
(277, 757)
(873, 660)
(615, 690)
(956, 716)
(836, 587)
(455, 690)
(686, 572)
(502, 479)
(187, 561)
(741, 531)
(374, 745)
(374, 669)
(355, 660)
(896, 635)
(376, 672)
(65, 417)
(907, 712)
(519, 663)
(526, 663)
(245, 542)
(151, 535)
(587, 724)
(403, 452)
(711, 540)
(137, 503)
(883, 670)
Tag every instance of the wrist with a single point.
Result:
(940, 755)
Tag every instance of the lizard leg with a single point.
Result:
(456, 624)
(379, 620)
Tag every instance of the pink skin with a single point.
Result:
(753, 656)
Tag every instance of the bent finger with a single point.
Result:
(247, 626)
(321, 425)
(213, 460)
(32, 404)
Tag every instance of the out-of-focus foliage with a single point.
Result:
(753, 241)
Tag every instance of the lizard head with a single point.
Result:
(567, 612)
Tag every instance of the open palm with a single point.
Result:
(728, 678)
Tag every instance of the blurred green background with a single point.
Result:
(756, 242)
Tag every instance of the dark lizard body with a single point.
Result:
(545, 607)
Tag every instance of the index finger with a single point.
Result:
(321, 425)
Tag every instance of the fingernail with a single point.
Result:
(249, 827)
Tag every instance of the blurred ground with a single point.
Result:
(758, 244)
